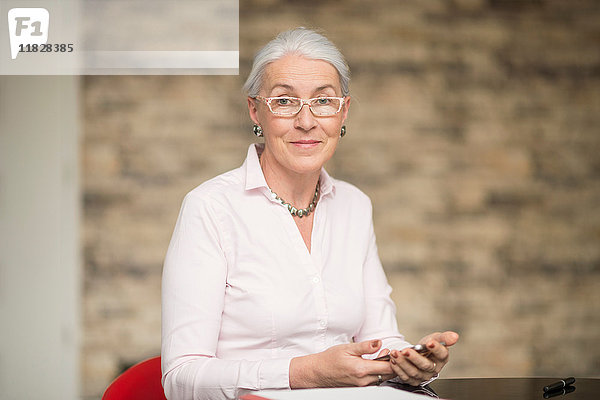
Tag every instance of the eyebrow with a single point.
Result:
(288, 87)
(325, 87)
(281, 85)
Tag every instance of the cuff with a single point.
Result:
(391, 343)
(275, 374)
(395, 343)
(433, 378)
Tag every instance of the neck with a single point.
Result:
(296, 188)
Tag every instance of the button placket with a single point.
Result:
(321, 305)
(322, 319)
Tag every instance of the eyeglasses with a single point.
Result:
(289, 106)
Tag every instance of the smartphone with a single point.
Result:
(419, 348)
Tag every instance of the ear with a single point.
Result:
(252, 110)
(345, 108)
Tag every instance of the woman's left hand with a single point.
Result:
(413, 368)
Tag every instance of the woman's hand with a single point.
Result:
(340, 365)
(413, 368)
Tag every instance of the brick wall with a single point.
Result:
(474, 129)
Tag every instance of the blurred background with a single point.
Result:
(473, 127)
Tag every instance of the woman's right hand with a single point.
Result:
(340, 365)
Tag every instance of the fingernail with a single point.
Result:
(431, 345)
(393, 361)
(394, 353)
(406, 354)
(375, 344)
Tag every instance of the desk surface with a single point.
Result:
(453, 389)
(512, 388)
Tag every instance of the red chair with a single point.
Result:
(140, 382)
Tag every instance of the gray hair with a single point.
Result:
(301, 41)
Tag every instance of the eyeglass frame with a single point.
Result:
(267, 101)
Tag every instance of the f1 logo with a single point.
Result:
(27, 26)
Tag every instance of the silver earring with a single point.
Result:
(257, 130)
(343, 131)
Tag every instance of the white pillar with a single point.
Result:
(39, 237)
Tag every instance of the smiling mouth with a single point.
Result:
(306, 142)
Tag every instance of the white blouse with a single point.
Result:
(242, 295)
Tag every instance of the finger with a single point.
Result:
(366, 347)
(404, 377)
(406, 362)
(389, 376)
(437, 352)
(399, 371)
(449, 337)
(383, 352)
(422, 363)
(432, 336)
(384, 377)
(378, 368)
(370, 372)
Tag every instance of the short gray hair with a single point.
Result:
(301, 41)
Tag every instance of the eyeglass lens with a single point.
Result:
(319, 106)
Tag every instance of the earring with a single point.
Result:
(257, 130)
(343, 131)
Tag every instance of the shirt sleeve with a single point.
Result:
(380, 318)
(193, 290)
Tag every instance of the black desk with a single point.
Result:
(511, 388)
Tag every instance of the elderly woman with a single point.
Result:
(272, 278)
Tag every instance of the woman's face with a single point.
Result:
(301, 143)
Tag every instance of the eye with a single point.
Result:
(283, 102)
(322, 101)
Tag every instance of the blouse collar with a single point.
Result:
(256, 179)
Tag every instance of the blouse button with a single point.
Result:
(316, 279)
(323, 322)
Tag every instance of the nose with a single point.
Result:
(305, 119)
